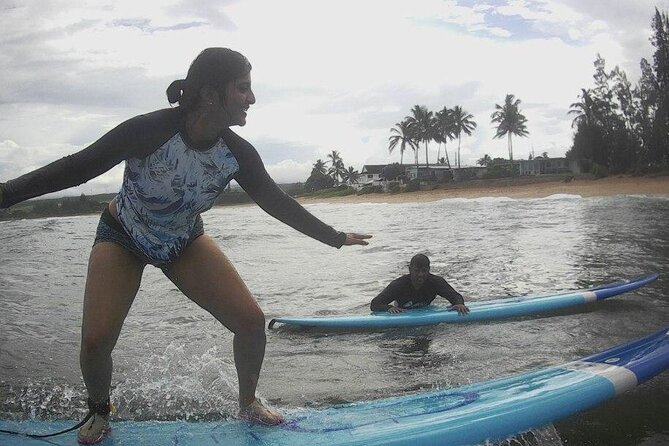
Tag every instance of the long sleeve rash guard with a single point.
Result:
(402, 291)
(141, 136)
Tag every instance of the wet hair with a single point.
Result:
(419, 261)
(213, 67)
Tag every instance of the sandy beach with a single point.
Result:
(530, 187)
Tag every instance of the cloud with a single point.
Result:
(212, 10)
(10, 157)
(628, 23)
(145, 25)
(290, 171)
(337, 76)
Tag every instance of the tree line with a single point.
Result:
(57, 207)
(323, 177)
(448, 124)
(618, 127)
(425, 126)
(622, 128)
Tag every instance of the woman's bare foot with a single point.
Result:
(256, 412)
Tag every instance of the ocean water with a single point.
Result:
(174, 361)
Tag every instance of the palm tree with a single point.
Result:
(462, 122)
(510, 121)
(319, 167)
(585, 111)
(402, 136)
(337, 171)
(444, 130)
(350, 176)
(334, 157)
(484, 161)
(422, 126)
(336, 165)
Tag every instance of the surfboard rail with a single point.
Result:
(487, 411)
(499, 308)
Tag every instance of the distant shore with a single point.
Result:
(525, 187)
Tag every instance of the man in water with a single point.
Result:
(417, 289)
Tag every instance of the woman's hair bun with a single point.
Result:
(175, 90)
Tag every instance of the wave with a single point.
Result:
(476, 200)
(172, 385)
(560, 197)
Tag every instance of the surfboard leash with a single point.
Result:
(25, 434)
(93, 408)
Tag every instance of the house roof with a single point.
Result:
(378, 168)
(541, 158)
(373, 168)
(432, 166)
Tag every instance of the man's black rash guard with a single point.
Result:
(140, 136)
(403, 291)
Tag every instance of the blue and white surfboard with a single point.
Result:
(469, 415)
(479, 311)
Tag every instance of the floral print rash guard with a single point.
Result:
(167, 182)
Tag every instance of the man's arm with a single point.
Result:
(385, 298)
(448, 292)
(457, 301)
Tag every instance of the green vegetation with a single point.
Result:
(621, 128)
(394, 187)
(393, 171)
(618, 128)
(413, 185)
(497, 171)
(339, 191)
(95, 204)
(484, 161)
(401, 137)
(57, 207)
(318, 181)
(425, 126)
(510, 121)
(237, 195)
(323, 177)
(462, 122)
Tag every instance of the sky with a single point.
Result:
(327, 75)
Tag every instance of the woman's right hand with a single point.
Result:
(356, 239)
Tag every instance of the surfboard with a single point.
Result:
(479, 311)
(469, 415)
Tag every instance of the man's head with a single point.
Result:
(419, 261)
(419, 268)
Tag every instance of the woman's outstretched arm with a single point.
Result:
(255, 180)
(129, 139)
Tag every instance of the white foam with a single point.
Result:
(562, 197)
(478, 199)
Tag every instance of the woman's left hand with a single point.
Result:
(356, 239)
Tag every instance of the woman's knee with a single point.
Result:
(97, 343)
(251, 322)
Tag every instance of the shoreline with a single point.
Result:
(535, 187)
(515, 188)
